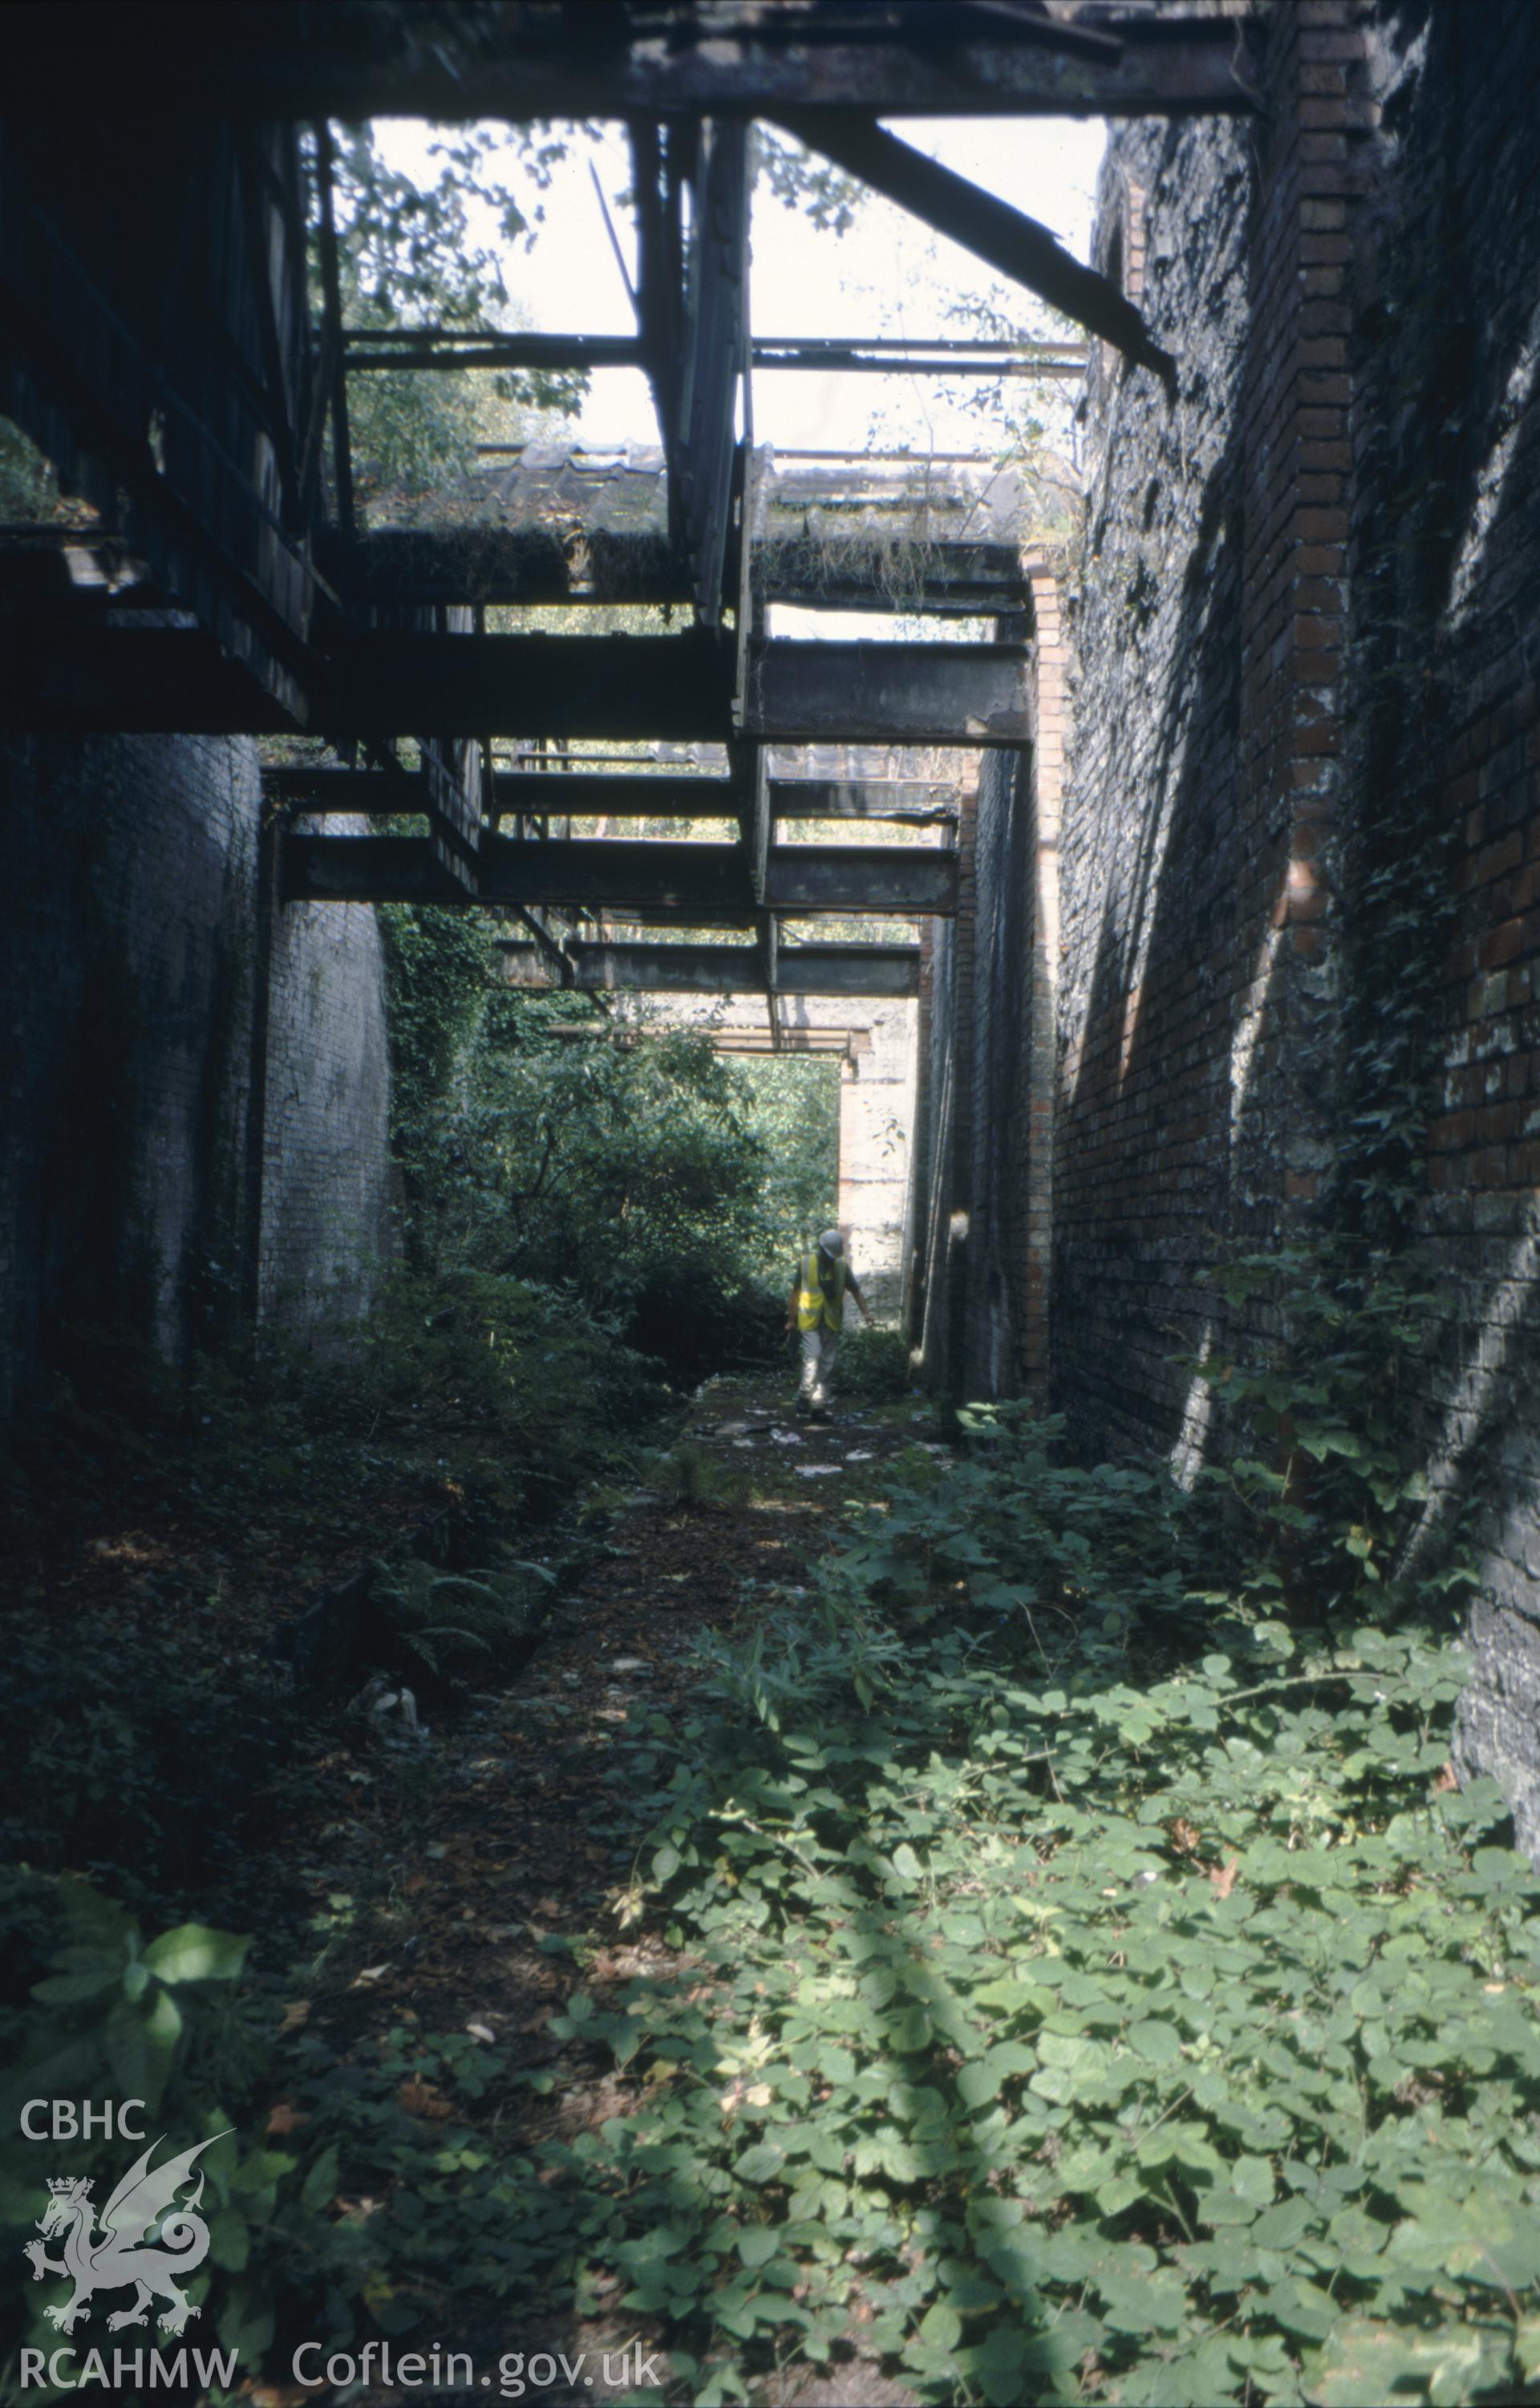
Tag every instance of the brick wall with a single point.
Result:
(1302, 825)
(130, 976)
(1445, 545)
(1166, 972)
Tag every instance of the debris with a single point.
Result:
(419, 2098)
(630, 1664)
(815, 1470)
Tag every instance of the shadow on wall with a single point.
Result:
(1447, 575)
(1171, 1001)
(1004, 933)
(1211, 1053)
(129, 955)
(130, 997)
(328, 1190)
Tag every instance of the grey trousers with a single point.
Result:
(820, 1347)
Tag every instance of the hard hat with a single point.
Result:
(831, 1242)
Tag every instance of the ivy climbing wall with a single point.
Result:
(1442, 877)
(1301, 825)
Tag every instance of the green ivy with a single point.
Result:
(1075, 2003)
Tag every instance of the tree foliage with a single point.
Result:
(29, 489)
(420, 254)
(628, 1164)
(799, 179)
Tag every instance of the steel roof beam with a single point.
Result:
(707, 883)
(724, 970)
(464, 59)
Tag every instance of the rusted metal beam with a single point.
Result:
(526, 793)
(676, 687)
(1005, 238)
(438, 349)
(681, 969)
(911, 799)
(704, 881)
(382, 683)
(460, 59)
(857, 574)
(495, 563)
(134, 681)
(897, 878)
(876, 356)
(890, 694)
(385, 792)
(498, 564)
(485, 347)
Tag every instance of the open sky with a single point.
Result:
(889, 275)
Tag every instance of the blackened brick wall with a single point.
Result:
(1165, 977)
(1444, 752)
(1302, 838)
(129, 975)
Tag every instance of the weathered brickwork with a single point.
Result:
(1301, 825)
(1445, 555)
(131, 974)
(1199, 992)
(876, 1120)
(1161, 958)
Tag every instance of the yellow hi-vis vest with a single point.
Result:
(814, 1302)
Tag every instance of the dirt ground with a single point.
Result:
(501, 1832)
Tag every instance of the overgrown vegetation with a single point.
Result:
(1068, 1966)
(1078, 2005)
(432, 249)
(626, 1162)
(415, 253)
(1066, 1978)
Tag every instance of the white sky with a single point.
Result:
(889, 275)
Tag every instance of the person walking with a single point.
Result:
(816, 1307)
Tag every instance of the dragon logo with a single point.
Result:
(142, 2212)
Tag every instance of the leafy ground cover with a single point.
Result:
(1062, 2027)
(908, 1936)
(398, 1894)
